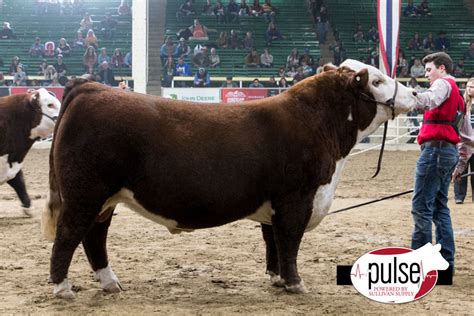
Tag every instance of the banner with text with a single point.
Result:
(240, 95)
(207, 95)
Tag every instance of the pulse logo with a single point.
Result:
(398, 275)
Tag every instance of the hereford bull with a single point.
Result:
(187, 166)
(24, 118)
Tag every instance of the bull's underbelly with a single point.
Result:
(263, 214)
(7, 171)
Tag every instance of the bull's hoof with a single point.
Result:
(28, 211)
(277, 281)
(297, 288)
(114, 287)
(108, 280)
(63, 290)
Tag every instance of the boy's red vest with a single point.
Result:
(445, 113)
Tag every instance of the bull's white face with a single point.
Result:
(49, 106)
(382, 88)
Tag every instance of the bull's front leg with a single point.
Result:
(18, 184)
(292, 214)
(273, 266)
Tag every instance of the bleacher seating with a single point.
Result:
(293, 20)
(27, 25)
(450, 16)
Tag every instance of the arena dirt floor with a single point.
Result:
(221, 270)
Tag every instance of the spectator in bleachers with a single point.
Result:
(63, 48)
(13, 65)
(128, 60)
(182, 70)
(373, 35)
(103, 56)
(415, 42)
(222, 40)
(248, 41)
(417, 70)
(410, 10)
(182, 49)
(268, 11)
(167, 49)
(307, 69)
(37, 49)
(272, 33)
(201, 56)
(442, 42)
(322, 24)
(229, 83)
(199, 31)
(299, 75)
(232, 12)
(423, 8)
(282, 83)
(320, 67)
(256, 9)
(168, 72)
(91, 40)
(19, 77)
(234, 40)
(49, 49)
(208, 8)
(202, 78)
(459, 71)
(42, 67)
(256, 84)
(108, 27)
(78, 7)
(79, 41)
(185, 10)
(469, 54)
(124, 8)
(339, 53)
(66, 8)
(219, 12)
(86, 23)
(402, 62)
(41, 7)
(359, 36)
(50, 76)
(117, 59)
(214, 59)
(3, 83)
(429, 45)
(293, 59)
(61, 68)
(291, 72)
(89, 60)
(252, 60)
(315, 8)
(307, 57)
(272, 82)
(266, 59)
(281, 72)
(244, 9)
(7, 32)
(106, 74)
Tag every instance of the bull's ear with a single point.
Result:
(328, 67)
(34, 99)
(361, 79)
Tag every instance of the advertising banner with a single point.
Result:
(240, 95)
(56, 91)
(206, 95)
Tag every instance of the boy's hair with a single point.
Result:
(439, 59)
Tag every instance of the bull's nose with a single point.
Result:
(55, 118)
(414, 93)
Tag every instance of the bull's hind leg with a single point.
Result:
(95, 246)
(18, 184)
(273, 267)
(74, 223)
(292, 214)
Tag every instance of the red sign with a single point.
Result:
(240, 95)
(57, 92)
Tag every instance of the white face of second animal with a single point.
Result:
(49, 107)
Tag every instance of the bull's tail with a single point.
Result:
(51, 211)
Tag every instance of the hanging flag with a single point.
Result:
(388, 19)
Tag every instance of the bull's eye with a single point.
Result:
(376, 83)
(51, 106)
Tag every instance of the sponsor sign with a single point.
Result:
(56, 91)
(240, 95)
(398, 275)
(206, 95)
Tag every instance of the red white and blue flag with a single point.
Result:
(388, 18)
